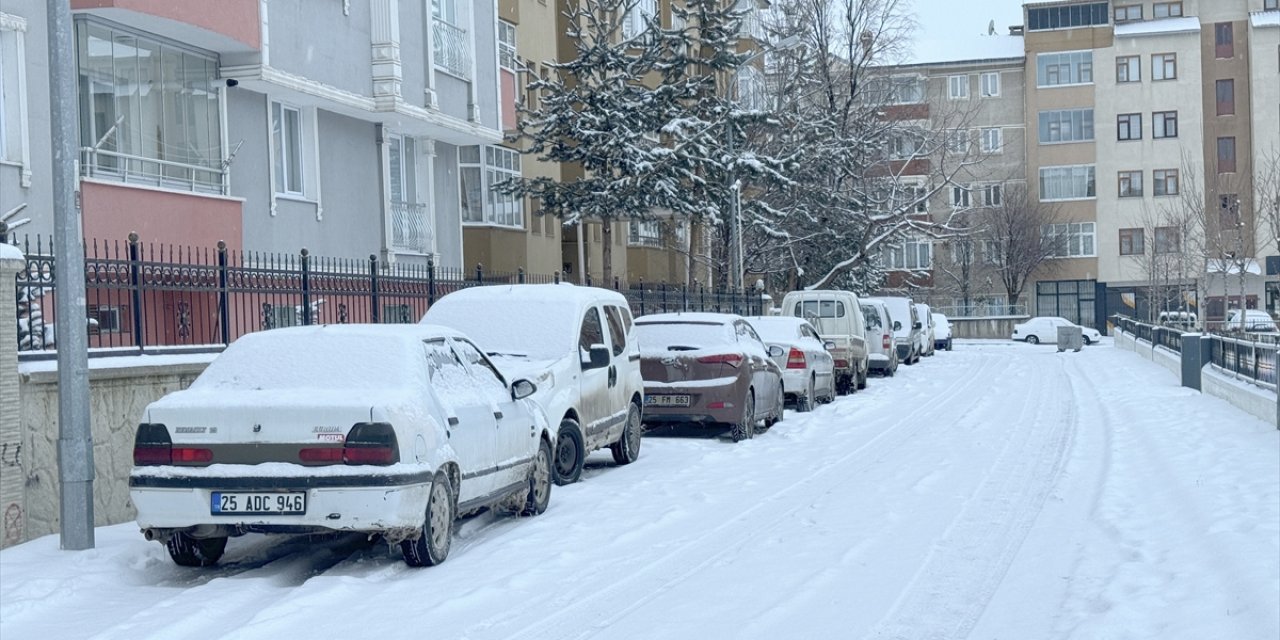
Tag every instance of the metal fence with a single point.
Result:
(146, 298)
(1243, 355)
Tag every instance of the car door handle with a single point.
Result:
(453, 421)
(497, 414)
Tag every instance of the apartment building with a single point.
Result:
(271, 125)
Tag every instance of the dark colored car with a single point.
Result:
(708, 369)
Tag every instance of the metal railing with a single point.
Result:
(982, 310)
(1243, 356)
(124, 167)
(411, 228)
(450, 48)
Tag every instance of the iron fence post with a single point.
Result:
(662, 286)
(556, 277)
(306, 287)
(479, 273)
(431, 281)
(135, 289)
(684, 297)
(641, 296)
(616, 285)
(589, 280)
(520, 275)
(224, 321)
(375, 309)
(702, 297)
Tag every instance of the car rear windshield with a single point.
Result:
(539, 330)
(776, 329)
(682, 336)
(285, 360)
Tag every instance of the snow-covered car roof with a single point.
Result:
(706, 318)
(778, 328)
(563, 292)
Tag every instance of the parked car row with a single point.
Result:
(499, 393)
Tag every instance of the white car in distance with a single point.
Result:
(808, 370)
(392, 430)
(1045, 329)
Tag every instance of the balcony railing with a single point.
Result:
(410, 227)
(450, 48)
(123, 167)
(752, 27)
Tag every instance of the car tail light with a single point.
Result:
(731, 359)
(371, 443)
(719, 405)
(152, 445)
(795, 359)
(885, 343)
(192, 455)
(842, 364)
(317, 455)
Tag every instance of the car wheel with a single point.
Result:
(1032, 339)
(195, 552)
(745, 428)
(569, 453)
(432, 547)
(804, 403)
(862, 378)
(778, 410)
(627, 448)
(948, 344)
(539, 495)
(1087, 341)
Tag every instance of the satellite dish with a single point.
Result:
(991, 28)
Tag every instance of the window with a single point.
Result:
(1069, 240)
(819, 309)
(1223, 40)
(1067, 183)
(906, 143)
(1067, 125)
(908, 198)
(1167, 9)
(106, 318)
(990, 83)
(1164, 124)
(1074, 67)
(1129, 126)
(911, 254)
(617, 331)
(752, 92)
(591, 333)
(15, 145)
(1226, 155)
(149, 109)
(1067, 17)
(992, 140)
(638, 16)
(961, 197)
(450, 42)
(403, 177)
(958, 87)
(507, 45)
(480, 170)
(1226, 94)
(645, 233)
(1130, 184)
(1131, 242)
(1166, 240)
(1129, 69)
(1166, 182)
(286, 137)
(1164, 66)
(1228, 211)
(958, 140)
(992, 195)
(1128, 12)
(1270, 5)
(896, 90)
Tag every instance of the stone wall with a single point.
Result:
(120, 389)
(993, 328)
(12, 505)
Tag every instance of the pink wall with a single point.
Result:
(236, 19)
(508, 84)
(111, 212)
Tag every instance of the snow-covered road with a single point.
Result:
(996, 491)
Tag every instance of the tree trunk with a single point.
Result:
(606, 252)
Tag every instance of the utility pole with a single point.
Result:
(75, 439)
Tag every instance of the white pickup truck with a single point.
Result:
(838, 318)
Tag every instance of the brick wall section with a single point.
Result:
(12, 478)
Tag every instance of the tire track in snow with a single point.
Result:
(572, 607)
(951, 590)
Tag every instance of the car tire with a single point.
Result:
(778, 410)
(187, 551)
(432, 547)
(862, 378)
(1087, 341)
(627, 449)
(539, 496)
(948, 344)
(1032, 339)
(569, 454)
(745, 428)
(804, 403)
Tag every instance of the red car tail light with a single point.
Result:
(886, 343)
(795, 359)
(731, 359)
(842, 364)
(371, 443)
(152, 445)
(192, 455)
(316, 455)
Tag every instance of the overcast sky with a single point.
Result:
(951, 29)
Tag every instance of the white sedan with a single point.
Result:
(390, 430)
(808, 371)
(1045, 329)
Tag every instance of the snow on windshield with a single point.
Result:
(539, 330)
(286, 360)
(656, 338)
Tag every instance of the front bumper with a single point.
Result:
(339, 503)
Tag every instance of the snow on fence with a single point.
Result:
(148, 298)
(1241, 355)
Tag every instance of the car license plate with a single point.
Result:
(667, 401)
(228, 503)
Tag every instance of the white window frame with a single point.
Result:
(1079, 239)
(633, 24)
(15, 136)
(989, 84)
(1062, 123)
(1169, 9)
(912, 254)
(1085, 174)
(958, 87)
(961, 196)
(508, 52)
(283, 142)
(959, 140)
(495, 164)
(992, 140)
(644, 233)
(1072, 61)
(991, 195)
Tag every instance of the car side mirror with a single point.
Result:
(775, 351)
(598, 357)
(828, 345)
(897, 325)
(521, 389)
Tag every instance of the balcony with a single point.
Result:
(411, 227)
(450, 48)
(166, 174)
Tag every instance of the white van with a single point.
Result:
(837, 315)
